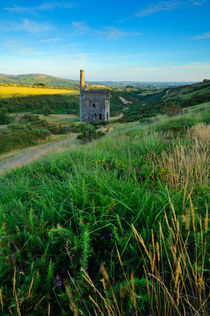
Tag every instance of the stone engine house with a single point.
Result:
(94, 104)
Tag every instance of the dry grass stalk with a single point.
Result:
(185, 164)
(127, 290)
(38, 303)
(15, 293)
(98, 308)
(48, 311)
(71, 298)
(1, 300)
(108, 307)
(31, 285)
(183, 285)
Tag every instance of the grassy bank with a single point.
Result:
(115, 227)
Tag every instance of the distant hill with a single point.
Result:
(30, 79)
(139, 84)
(145, 103)
(189, 94)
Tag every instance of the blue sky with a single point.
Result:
(144, 40)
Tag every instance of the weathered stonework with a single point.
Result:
(94, 104)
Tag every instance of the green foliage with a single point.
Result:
(197, 99)
(40, 84)
(46, 110)
(172, 110)
(75, 209)
(28, 130)
(89, 133)
(4, 118)
(17, 136)
(177, 125)
(39, 103)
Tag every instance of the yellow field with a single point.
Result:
(10, 92)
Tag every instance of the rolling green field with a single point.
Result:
(115, 227)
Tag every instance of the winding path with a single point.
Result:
(28, 155)
(167, 92)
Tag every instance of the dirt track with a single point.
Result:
(28, 155)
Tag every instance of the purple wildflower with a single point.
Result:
(12, 257)
(110, 235)
(103, 237)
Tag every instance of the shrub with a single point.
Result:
(179, 124)
(89, 133)
(46, 110)
(4, 117)
(172, 110)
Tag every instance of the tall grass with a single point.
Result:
(185, 162)
(174, 269)
(75, 218)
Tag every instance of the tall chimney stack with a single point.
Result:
(82, 80)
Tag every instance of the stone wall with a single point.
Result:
(94, 105)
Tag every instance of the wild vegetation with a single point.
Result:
(62, 103)
(114, 227)
(148, 103)
(28, 130)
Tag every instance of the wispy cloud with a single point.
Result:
(202, 36)
(49, 40)
(198, 2)
(159, 7)
(35, 27)
(81, 27)
(163, 6)
(109, 32)
(45, 6)
(22, 48)
(112, 33)
(191, 66)
(28, 26)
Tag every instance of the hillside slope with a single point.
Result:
(33, 78)
(190, 92)
(144, 104)
(131, 205)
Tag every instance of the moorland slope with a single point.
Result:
(114, 227)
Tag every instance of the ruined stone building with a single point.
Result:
(94, 104)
